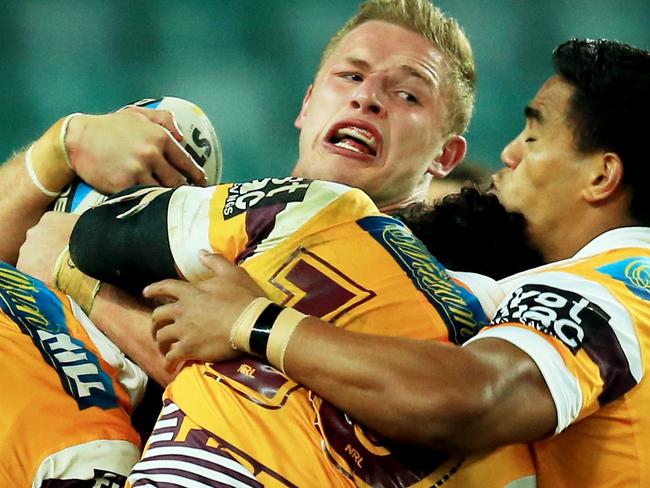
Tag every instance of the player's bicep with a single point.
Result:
(517, 391)
(125, 240)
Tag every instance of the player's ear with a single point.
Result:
(606, 176)
(303, 109)
(452, 154)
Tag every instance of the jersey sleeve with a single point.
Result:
(580, 333)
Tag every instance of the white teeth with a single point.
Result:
(358, 133)
(345, 145)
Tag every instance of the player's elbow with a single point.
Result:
(455, 422)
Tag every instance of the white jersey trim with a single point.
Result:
(132, 378)
(188, 228)
(621, 322)
(562, 385)
(81, 461)
(621, 238)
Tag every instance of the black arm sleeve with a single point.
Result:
(130, 252)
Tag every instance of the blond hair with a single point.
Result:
(444, 32)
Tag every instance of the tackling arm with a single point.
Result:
(485, 394)
(467, 399)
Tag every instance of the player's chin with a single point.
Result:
(509, 203)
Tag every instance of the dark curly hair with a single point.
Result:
(472, 231)
(610, 107)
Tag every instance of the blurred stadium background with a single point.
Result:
(248, 63)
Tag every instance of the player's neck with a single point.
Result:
(569, 239)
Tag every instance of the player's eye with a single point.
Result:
(352, 76)
(409, 97)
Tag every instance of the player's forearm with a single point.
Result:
(29, 182)
(422, 392)
(21, 206)
(391, 385)
(126, 321)
(23, 203)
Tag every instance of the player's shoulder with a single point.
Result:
(604, 287)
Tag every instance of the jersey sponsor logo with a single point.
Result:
(38, 312)
(107, 479)
(263, 193)
(460, 310)
(559, 313)
(579, 324)
(634, 272)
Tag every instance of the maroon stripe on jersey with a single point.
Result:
(318, 287)
(153, 477)
(319, 292)
(173, 468)
(401, 466)
(259, 224)
(262, 378)
(176, 451)
(605, 350)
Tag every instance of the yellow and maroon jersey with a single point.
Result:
(67, 392)
(324, 249)
(586, 324)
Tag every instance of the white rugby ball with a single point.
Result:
(199, 140)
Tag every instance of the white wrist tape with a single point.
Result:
(32, 174)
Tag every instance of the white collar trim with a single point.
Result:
(619, 238)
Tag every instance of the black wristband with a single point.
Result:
(261, 330)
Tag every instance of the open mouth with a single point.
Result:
(353, 137)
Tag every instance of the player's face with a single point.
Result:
(544, 171)
(374, 117)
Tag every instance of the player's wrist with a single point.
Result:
(69, 279)
(264, 329)
(75, 135)
(47, 160)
